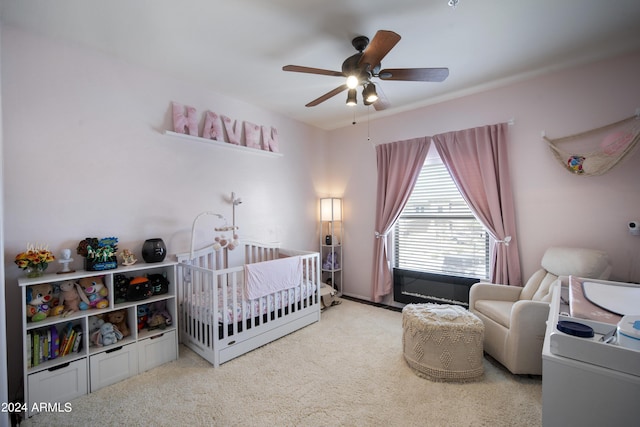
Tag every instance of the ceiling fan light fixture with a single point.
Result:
(369, 94)
(352, 97)
(358, 70)
(352, 82)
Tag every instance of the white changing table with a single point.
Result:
(576, 392)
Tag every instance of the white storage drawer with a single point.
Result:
(59, 384)
(157, 350)
(113, 365)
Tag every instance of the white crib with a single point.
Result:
(219, 323)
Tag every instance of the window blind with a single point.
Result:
(437, 232)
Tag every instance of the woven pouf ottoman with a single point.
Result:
(443, 342)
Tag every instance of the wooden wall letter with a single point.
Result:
(212, 127)
(270, 139)
(185, 123)
(234, 132)
(252, 135)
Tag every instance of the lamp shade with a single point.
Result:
(351, 97)
(331, 209)
(369, 94)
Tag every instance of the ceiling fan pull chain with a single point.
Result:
(368, 121)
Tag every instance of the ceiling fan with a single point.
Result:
(360, 68)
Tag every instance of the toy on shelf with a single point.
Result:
(139, 289)
(120, 287)
(159, 317)
(38, 301)
(95, 291)
(99, 254)
(119, 319)
(71, 294)
(127, 257)
(106, 335)
(143, 316)
(159, 283)
(94, 324)
(331, 262)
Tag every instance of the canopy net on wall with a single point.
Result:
(604, 147)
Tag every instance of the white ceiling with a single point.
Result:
(238, 47)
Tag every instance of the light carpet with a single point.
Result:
(346, 370)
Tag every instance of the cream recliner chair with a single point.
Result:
(515, 317)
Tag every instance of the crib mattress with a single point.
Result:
(201, 303)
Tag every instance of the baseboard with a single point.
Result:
(375, 304)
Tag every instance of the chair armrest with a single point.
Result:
(532, 315)
(490, 291)
(526, 336)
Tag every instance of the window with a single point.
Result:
(437, 232)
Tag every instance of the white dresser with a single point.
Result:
(586, 382)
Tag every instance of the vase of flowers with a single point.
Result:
(99, 254)
(35, 260)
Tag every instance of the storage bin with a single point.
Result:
(113, 365)
(157, 350)
(61, 383)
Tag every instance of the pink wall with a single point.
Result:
(553, 207)
(84, 155)
(102, 166)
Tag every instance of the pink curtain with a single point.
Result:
(399, 165)
(478, 163)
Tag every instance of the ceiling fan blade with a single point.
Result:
(414, 74)
(299, 69)
(327, 96)
(378, 48)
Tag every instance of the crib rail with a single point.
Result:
(219, 323)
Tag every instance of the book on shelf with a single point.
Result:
(55, 342)
(29, 349)
(45, 344)
(66, 335)
(36, 348)
(69, 343)
(77, 342)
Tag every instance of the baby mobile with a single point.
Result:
(226, 236)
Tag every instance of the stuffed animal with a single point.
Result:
(70, 296)
(156, 321)
(331, 262)
(120, 286)
(143, 316)
(38, 301)
(94, 323)
(95, 291)
(139, 289)
(57, 308)
(119, 319)
(159, 317)
(106, 335)
(159, 283)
